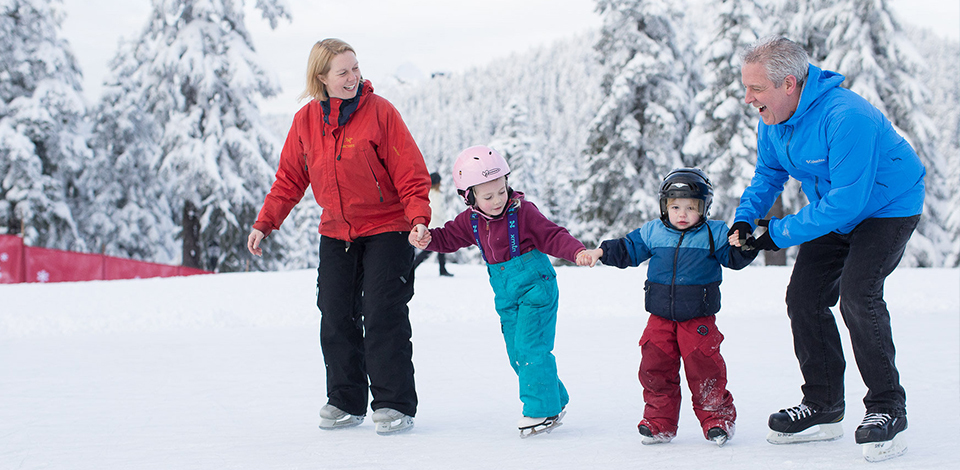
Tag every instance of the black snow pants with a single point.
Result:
(363, 288)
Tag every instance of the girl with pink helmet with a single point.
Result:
(514, 239)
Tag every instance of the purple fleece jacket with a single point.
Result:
(536, 232)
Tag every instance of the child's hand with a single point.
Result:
(734, 238)
(589, 257)
(419, 236)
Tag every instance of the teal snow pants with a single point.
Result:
(526, 297)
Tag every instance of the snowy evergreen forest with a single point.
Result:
(172, 163)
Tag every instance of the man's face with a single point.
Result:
(776, 104)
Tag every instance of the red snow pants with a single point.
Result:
(697, 342)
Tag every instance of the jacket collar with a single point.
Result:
(341, 110)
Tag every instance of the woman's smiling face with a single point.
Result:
(343, 79)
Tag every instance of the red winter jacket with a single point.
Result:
(367, 173)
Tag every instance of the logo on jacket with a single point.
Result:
(703, 330)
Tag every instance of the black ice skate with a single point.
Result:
(649, 438)
(804, 424)
(880, 436)
(718, 436)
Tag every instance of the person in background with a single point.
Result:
(865, 186)
(438, 217)
(370, 179)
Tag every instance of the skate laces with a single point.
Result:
(875, 419)
(799, 412)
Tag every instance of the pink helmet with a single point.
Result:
(477, 165)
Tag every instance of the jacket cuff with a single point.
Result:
(263, 227)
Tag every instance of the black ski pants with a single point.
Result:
(363, 288)
(850, 268)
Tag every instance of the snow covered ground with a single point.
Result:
(224, 371)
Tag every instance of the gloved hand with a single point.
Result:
(764, 241)
(744, 230)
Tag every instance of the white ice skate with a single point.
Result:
(533, 426)
(390, 421)
(332, 417)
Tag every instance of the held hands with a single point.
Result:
(764, 241)
(739, 236)
(589, 257)
(420, 236)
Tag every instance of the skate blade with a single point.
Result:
(347, 421)
(820, 432)
(396, 426)
(720, 441)
(884, 450)
(545, 427)
(539, 429)
(654, 440)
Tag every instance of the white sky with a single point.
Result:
(432, 35)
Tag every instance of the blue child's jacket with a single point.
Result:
(683, 278)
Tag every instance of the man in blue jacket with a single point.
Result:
(865, 187)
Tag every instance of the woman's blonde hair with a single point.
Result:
(318, 64)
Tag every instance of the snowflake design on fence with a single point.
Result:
(43, 276)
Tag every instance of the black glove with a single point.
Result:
(764, 241)
(744, 230)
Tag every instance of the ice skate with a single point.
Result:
(533, 426)
(649, 438)
(804, 424)
(880, 436)
(332, 417)
(718, 436)
(390, 421)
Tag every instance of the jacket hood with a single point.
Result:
(818, 83)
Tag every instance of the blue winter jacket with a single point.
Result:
(850, 161)
(683, 278)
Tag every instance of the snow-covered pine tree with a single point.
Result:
(723, 139)
(124, 210)
(636, 136)
(194, 71)
(42, 128)
(514, 139)
(942, 57)
(862, 40)
(559, 85)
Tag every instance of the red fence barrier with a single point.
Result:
(19, 263)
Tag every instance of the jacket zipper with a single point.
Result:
(790, 139)
(673, 281)
(490, 252)
(375, 180)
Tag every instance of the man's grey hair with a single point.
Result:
(780, 57)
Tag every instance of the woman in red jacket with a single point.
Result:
(371, 181)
